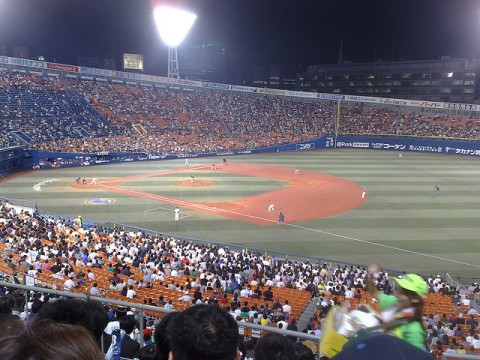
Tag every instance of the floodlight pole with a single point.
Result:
(173, 25)
(173, 63)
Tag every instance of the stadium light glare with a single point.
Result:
(173, 26)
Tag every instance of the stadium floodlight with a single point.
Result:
(173, 25)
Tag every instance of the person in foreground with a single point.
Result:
(48, 340)
(203, 332)
(403, 310)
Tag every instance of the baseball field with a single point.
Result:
(400, 221)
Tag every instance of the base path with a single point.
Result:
(310, 195)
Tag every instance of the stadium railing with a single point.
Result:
(253, 328)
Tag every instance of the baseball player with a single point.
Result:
(271, 206)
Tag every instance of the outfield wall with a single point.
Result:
(46, 160)
(13, 159)
(454, 147)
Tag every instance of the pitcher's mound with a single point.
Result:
(196, 183)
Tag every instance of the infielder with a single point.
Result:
(271, 206)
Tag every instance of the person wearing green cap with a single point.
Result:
(404, 307)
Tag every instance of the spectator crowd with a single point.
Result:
(200, 284)
(178, 275)
(51, 113)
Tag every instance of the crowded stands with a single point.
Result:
(175, 274)
(51, 113)
(54, 114)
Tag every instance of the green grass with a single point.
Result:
(402, 224)
(228, 187)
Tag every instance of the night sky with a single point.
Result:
(260, 32)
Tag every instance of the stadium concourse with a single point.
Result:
(176, 274)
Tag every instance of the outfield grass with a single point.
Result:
(402, 224)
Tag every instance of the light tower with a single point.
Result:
(173, 25)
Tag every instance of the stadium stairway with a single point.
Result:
(307, 313)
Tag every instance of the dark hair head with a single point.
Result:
(148, 352)
(303, 352)
(203, 332)
(49, 340)
(274, 347)
(162, 336)
(6, 304)
(90, 315)
(127, 323)
(36, 306)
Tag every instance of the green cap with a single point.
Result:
(413, 282)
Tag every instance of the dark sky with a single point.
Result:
(254, 31)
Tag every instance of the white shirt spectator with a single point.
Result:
(69, 284)
(168, 306)
(472, 311)
(131, 293)
(349, 294)
(94, 291)
(186, 297)
(112, 325)
(284, 324)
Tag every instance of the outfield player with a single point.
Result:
(187, 164)
(177, 213)
(437, 190)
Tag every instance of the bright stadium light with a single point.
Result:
(173, 25)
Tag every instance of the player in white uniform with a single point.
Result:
(177, 213)
(271, 206)
(187, 164)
